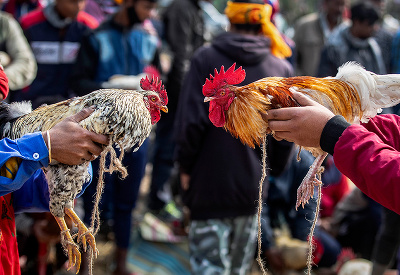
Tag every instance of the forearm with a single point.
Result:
(369, 156)
(32, 151)
(332, 132)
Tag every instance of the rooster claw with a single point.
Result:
(312, 179)
(85, 236)
(74, 257)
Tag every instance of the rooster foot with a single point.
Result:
(74, 256)
(306, 188)
(84, 234)
(306, 191)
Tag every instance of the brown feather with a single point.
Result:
(243, 117)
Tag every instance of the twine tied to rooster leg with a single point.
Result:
(65, 241)
(79, 238)
(298, 153)
(260, 202)
(314, 223)
(115, 165)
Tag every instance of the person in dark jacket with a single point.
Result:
(354, 43)
(219, 175)
(54, 34)
(184, 30)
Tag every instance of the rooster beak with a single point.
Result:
(164, 109)
(208, 98)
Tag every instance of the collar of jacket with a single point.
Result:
(356, 42)
(54, 18)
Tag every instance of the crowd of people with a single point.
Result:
(57, 49)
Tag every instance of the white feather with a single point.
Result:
(17, 109)
(375, 91)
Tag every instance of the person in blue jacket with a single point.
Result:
(22, 183)
(27, 190)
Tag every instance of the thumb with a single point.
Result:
(303, 99)
(82, 114)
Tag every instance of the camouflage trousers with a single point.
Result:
(222, 246)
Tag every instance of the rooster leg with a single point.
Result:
(306, 188)
(83, 232)
(74, 255)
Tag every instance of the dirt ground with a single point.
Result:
(103, 265)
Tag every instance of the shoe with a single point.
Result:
(169, 213)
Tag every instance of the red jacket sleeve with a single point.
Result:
(369, 154)
(3, 83)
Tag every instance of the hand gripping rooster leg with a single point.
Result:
(83, 232)
(74, 255)
(306, 188)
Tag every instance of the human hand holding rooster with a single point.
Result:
(71, 144)
(301, 125)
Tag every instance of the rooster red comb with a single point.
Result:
(231, 77)
(155, 85)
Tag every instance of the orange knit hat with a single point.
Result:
(250, 13)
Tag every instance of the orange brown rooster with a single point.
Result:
(354, 93)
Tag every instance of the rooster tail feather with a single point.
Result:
(389, 86)
(375, 91)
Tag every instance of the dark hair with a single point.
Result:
(364, 11)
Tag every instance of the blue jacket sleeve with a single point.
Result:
(32, 150)
(30, 187)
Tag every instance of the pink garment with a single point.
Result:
(369, 155)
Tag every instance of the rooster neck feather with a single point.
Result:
(243, 118)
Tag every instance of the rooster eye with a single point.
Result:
(153, 99)
(222, 93)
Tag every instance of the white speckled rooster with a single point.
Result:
(125, 116)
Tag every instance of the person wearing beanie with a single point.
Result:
(117, 55)
(219, 175)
